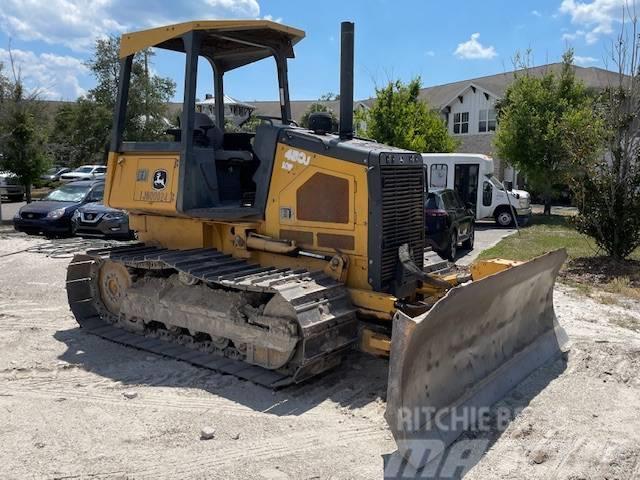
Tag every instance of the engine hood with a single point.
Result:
(519, 193)
(98, 207)
(46, 207)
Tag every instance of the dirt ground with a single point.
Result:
(64, 413)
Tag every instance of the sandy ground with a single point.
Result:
(63, 412)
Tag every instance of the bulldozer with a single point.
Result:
(269, 255)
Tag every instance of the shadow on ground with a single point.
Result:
(358, 381)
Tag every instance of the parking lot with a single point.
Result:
(9, 209)
(487, 235)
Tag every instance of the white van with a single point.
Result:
(471, 175)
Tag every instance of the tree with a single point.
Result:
(606, 181)
(80, 133)
(532, 123)
(318, 107)
(329, 97)
(148, 93)
(399, 118)
(21, 135)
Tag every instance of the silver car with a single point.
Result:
(96, 219)
(10, 187)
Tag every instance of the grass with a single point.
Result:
(543, 234)
(587, 269)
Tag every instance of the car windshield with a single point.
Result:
(495, 181)
(84, 169)
(52, 171)
(68, 193)
(432, 202)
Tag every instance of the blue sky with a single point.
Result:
(440, 41)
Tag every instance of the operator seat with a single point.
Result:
(213, 136)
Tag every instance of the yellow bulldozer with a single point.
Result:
(269, 255)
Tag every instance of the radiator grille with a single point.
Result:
(402, 215)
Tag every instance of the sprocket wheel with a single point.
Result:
(113, 281)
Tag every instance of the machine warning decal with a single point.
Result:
(141, 175)
(159, 179)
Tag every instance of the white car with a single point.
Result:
(10, 187)
(85, 172)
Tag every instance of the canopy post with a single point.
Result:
(283, 83)
(218, 92)
(120, 113)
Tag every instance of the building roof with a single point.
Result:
(210, 100)
(438, 96)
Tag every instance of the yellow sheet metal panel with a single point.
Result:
(143, 182)
(169, 232)
(375, 343)
(484, 268)
(377, 302)
(293, 171)
(135, 41)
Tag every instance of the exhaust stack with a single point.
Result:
(346, 81)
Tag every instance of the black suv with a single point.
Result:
(448, 221)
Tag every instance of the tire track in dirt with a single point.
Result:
(144, 400)
(297, 443)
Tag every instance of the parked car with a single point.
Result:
(54, 173)
(448, 222)
(52, 214)
(10, 187)
(85, 172)
(95, 218)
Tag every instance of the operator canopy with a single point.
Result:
(228, 44)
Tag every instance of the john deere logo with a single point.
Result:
(159, 179)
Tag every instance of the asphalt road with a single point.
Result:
(9, 209)
(487, 235)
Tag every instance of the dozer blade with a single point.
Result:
(475, 344)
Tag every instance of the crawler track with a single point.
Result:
(326, 318)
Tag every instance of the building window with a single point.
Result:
(461, 122)
(487, 121)
(438, 175)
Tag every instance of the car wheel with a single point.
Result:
(16, 198)
(468, 243)
(452, 248)
(504, 218)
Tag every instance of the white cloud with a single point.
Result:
(72, 23)
(473, 49)
(271, 19)
(584, 60)
(76, 24)
(536, 13)
(51, 76)
(249, 8)
(430, 53)
(596, 17)
(570, 37)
